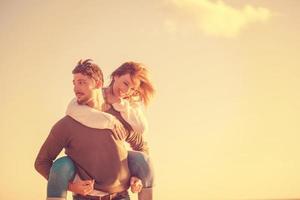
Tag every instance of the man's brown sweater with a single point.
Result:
(95, 153)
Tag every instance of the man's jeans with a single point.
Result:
(123, 197)
(63, 171)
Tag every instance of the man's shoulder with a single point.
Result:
(63, 122)
(67, 122)
(64, 119)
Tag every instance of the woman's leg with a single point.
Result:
(140, 165)
(61, 173)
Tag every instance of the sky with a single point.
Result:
(224, 123)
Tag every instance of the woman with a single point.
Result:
(130, 88)
(128, 91)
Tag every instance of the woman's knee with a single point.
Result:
(63, 166)
(138, 158)
(141, 166)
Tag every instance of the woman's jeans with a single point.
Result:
(63, 171)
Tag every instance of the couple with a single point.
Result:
(97, 122)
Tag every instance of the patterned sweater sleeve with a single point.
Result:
(90, 117)
(137, 142)
(133, 114)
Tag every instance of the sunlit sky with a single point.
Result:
(224, 123)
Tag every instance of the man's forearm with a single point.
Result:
(48, 153)
(43, 167)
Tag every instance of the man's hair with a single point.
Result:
(90, 69)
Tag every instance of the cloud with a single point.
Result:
(220, 19)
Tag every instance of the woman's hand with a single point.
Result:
(82, 187)
(119, 131)
(136, 184)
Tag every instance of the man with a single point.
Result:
(100, 159)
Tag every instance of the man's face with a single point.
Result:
(84, 88)
(125, 86)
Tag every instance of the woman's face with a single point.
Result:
(124, 86)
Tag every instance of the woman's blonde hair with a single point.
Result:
(136, 71)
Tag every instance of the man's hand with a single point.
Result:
(136, 184)
(119, 131)
(82, 187)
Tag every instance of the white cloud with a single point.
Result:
(220, 19)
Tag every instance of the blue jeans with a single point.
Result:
(140, 165)
(116, 198)
(63, 171)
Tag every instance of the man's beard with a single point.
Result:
(83, 101)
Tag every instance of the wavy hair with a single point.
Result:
(136, 71)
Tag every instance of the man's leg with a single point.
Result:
(140, 165)
(123, 198)
(61, 172)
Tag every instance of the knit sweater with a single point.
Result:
(131, 117)
(95, 152)
(132, 113)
